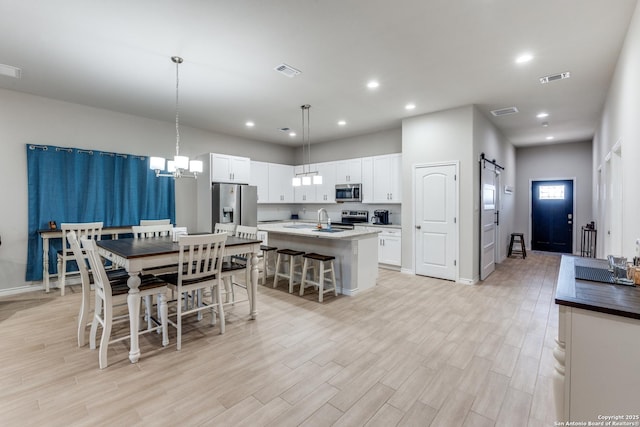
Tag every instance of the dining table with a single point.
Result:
(137, 255)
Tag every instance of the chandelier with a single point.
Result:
(180, 166)
(307, 176)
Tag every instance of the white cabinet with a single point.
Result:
(349, 171)
(326, 192)
(232, 169)
(318, 193)
(280, 188)
(382, 179)
(390, 247)
(260, 178)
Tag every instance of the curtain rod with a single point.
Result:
(493, 162)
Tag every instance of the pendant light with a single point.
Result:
(306, 177)
(180, 166)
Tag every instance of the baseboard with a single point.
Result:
(21, 290)
(407, 271)
(464, 281)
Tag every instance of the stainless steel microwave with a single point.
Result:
(349, 193)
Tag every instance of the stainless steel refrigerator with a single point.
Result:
(234, 203)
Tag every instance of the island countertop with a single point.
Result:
(619, 300)
(306, 229)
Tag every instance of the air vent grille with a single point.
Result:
(287, 70)
(554, 77)
(504, 111)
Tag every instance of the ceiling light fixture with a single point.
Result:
(410, 106)
(542, 115)
(292, 134)
(545, 124)
(373, 84)
(549, 138)
(342, 123)
(249, 124)
(180, 166)
(526, 57)
(307, 176)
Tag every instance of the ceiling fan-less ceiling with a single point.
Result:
(180, 166)
(307, 176)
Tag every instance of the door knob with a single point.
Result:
(418, 227)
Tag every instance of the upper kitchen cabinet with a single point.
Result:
(233, 169)
(382, 179)
(260, 178)
(349, 171)
(280, 188)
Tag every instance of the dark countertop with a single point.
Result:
(619, 300)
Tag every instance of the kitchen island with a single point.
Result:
(356, 250)
(598, 345)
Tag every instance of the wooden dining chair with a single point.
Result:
(200, 266)
(151, 231)
(155, 221)
(239, 264)
(92, 230)
(108, 294)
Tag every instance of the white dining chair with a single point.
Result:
(108, 294)
(151, 231)
(92, 230)
(229, 228)
(238, 264)
(200, 265)
(155, 221)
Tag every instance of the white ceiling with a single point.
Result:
(438, 54)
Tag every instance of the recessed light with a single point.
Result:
(542, 115)
(410, 106)
(373, 84)
(545, 124)
(525, 57)
(342, 123)
(549, 138)
(249, 124)
(292, 134)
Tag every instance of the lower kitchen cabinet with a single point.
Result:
(390, 247)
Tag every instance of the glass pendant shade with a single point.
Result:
(181, 162)
(156, 163)
(195, 166)
(171, 166)
(317, 179)
(296, 181)
(306, 180)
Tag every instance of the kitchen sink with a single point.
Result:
(328, 230)
(299, 226)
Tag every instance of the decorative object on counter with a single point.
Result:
(180, 166)
(307, 176)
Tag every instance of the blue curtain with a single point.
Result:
(76, 185)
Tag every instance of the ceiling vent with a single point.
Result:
(504, 111)
(9, 71)
(287, 70)
(554, 77)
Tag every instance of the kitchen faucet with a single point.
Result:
(320, 216)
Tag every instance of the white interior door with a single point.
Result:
(436, 225)
(488, 219)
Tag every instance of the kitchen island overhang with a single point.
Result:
(356, 251)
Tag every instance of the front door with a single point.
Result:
(552, 216)
(435, 221)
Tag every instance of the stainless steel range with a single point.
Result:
(354, 217)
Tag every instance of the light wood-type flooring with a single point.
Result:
(414, 351)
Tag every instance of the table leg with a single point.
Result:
(45, 263)
(133, 301)
(254, 285)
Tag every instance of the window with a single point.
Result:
(551, 192)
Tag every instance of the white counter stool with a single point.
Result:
(293, 260)
(310, 267)
(265, 257)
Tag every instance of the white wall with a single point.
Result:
(620, 123)
(572, 160)
(27, 119)
(490, 141)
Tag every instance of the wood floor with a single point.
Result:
(413, 351)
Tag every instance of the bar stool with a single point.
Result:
(294, 260)
(309, 266)
(266, 261)
(520, 239)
